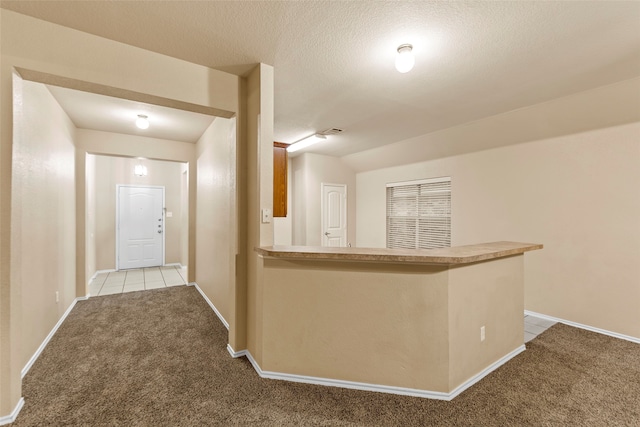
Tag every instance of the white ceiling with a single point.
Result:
(92, 111)
(334, 60)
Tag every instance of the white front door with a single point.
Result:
(140, 227)
(334, 215)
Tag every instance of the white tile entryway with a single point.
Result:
(534, 326)
(118, 282)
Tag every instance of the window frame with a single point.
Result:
(420, 215)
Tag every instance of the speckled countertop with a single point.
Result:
(446, 256)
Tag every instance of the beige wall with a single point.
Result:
(184, 214)
(10, 292)
(43, 214)
(216, 213)
(90, 200)
(111, 171)
(85, 61)
(489, 294)
(258, 152)
(390, 340)
(577, 194)
(309, 171)
(404, 325)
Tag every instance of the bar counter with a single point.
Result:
(444, 256)
(427, 323)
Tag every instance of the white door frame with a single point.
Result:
(164, 208)
(346, 222)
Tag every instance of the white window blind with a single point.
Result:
(419, 214)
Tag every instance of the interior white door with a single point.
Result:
(140, 227)
(334, 215)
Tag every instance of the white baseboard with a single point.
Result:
(173, 264)
(377, 387)
(236, 354)
(48, 338)
(486, 371)
(100, 272)
(586, 327)
(222, 319)
(8, 419)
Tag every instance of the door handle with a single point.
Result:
(326, 233)
(159, 231)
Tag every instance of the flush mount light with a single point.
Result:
(305, 142)
(140, 170)
(405, 59)
(142, 122)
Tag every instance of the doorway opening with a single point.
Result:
(136, 221)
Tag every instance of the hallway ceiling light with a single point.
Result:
(142, 122)
(405, 59)
(140, 170)
(306, 142)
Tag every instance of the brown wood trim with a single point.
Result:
(280, 165)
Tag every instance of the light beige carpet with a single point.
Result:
(159, 358)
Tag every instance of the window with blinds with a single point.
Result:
(419, 214)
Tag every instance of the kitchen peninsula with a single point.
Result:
(426, 323)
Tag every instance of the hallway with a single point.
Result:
(117, 282)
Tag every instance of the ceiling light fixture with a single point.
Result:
(142, 122)
(140, 170)
(306, 142)
(405, 59)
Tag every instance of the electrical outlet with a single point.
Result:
(482, 333)
(57, 296)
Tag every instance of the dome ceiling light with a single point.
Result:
(142, 122)
(405, 59)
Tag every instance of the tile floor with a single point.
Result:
(118, 282)
(534, 326)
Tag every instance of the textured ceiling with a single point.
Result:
(334, 60)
